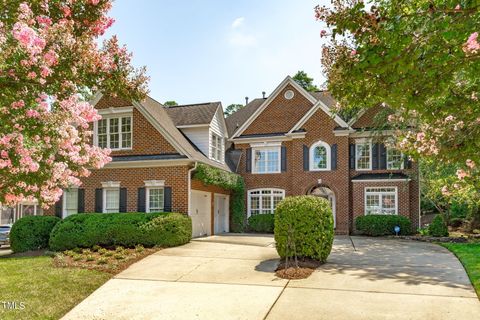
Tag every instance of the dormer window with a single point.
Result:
(115, 132)
(216, 148)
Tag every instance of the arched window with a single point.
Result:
(320, 156)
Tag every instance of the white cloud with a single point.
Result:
(238, 22)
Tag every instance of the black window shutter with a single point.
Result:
(248, 160)
(81, 201)
(167, 199)
(352, 156)
(58, 207)
(284, 158)
(99, 200)
(407, 163)
(141, 200)
(334, 157)
(383, 156)
(375, 157)
(123, 200)
(306, 158)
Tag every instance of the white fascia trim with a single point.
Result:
(271, 97)
(164, 132)
(260, 139)
(193, 126)
(383, 180)
(319, 105)
(370, 134)
(96, 97)
(147, 163)
(296, 135)
(115, 110)
(343, 133)
(221, 115)
(111, 184)
(154, 183)
(356, 117)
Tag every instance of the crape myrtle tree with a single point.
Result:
(421, 58)
(49, 63)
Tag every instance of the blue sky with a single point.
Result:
(213, 50)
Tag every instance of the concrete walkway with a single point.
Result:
(232, 277)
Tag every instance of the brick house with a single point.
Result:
(287, 144)
(291, 144)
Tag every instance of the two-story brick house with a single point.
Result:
(287, 144)
(291, 144)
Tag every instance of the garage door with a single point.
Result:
(201, 213)
(221, 213)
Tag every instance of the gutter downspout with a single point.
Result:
(190, 187)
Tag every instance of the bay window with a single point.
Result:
(264, 201)
(381, 200)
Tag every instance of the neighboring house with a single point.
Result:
(291, 144)
(154, 152)
(287, 144)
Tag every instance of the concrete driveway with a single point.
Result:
(232, 277)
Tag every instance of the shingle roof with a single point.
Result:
(193, 114)
(162, 156)
(380, 176)
(326, 98)
(235, 120)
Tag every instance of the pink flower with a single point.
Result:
(50, 58)
(31, 75)
(458, 7)
(472, 46)
(32, 113)
(449, 118)
(45, 72)
(94, 2)
(461, 174)
(353, 53)
(323, 33)
(445, 191)
(420, 136)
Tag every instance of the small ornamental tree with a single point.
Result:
(50, 64)
(419, 58)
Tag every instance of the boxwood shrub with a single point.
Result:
(86, 230)
(304, 228)
(381, 225)
(438, 227)
(261, 223)
(32, 233)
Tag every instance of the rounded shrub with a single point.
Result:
(32, 233)
(382, 225)
(86, 230)
(438, 227)
(304, 228)
(261, 223)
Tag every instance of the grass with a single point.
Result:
(469, 256)
(46, 291)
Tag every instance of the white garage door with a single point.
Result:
(201, 213)
(221, 207)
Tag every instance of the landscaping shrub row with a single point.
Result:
(86, 230)
(382, 225)
(261, 223)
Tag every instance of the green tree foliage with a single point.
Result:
(302, 78)
(232, 109)
(170, 103)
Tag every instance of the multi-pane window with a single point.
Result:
(112, 200)
(363, 155)
(320, 156)
(394, 159)
(115, 133)
(71, 202)
(266, 160)
(264, 201)
(380, 200)
(216, 148)
(155, 200)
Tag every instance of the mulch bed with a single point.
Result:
(434, 239)
(291, 271)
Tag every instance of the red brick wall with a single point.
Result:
(281, 114)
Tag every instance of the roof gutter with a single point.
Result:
(190, 171)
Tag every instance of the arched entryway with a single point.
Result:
(327, 193)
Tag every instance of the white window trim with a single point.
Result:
(154, 183)
(147, 197)
(261, 189)
(402, 164)
(212, 146)
(119, 116)
(109, 185)
(363, 141)
(379, 193)
(271, 147)
(329, 156)
(64, 201)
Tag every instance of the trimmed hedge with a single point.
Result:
(304, 228)
(86, 230)
(381, 225)
(438, 227)
(261, 223)
(32, 233)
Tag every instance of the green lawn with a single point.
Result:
(47, 292)
(469, 255)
